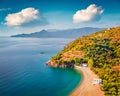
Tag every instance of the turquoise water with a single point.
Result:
(23, 71)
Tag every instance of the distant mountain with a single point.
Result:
(69, 33)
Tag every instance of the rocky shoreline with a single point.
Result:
(56, 65)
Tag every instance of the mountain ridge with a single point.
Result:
(67, 33)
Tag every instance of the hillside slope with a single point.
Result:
(101, 51)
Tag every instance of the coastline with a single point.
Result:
(85, 87)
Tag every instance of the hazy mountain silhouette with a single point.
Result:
(69, 33)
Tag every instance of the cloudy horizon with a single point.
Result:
(34, 16)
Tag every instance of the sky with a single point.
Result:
(27, 16)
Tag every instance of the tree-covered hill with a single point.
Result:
(101, 51)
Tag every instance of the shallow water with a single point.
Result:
(23, 71)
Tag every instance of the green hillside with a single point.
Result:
(101, 51)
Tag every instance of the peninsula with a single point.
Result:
(101, 51)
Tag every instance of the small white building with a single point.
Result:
(109, 28)
(84, 65)
(97, 81)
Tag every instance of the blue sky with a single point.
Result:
(26, 16)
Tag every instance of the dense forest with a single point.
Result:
(101, 51)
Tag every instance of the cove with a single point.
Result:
(23, 71)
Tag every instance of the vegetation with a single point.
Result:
(102, 53)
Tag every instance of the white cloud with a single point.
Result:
(24, 16)
(91, 13)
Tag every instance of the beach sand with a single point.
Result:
(86, 88)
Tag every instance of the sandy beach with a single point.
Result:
(86, 88)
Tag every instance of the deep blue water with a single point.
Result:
(23, 71)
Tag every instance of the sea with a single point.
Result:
(23, 71)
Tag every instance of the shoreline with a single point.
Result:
(85, 87)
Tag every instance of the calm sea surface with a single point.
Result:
(23, 71)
